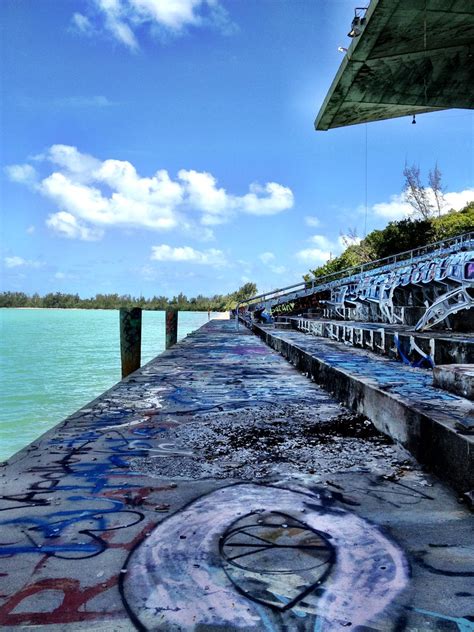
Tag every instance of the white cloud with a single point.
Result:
(98, 101)
(91, 195)
(61, 276)
(14, 262)
(321, 242)
(278, 269)
(267, 257)
(147, 272)
(312, 221)
(397, 208)
(345, 241)
(122, 19)
(19, 262)
(186, 254)
(82, 24)
(114, 15)
(325, 248)
(74, 101)
(23, 174)
(313, 256)
(174, 14)
(457, 200)
(30, 230)
(66, 225)
(81, 166)
(204, 195)
(218, 206)
(274, 199)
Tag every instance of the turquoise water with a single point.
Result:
(54, 361)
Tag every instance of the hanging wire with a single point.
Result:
(424, 47)
(366, 185)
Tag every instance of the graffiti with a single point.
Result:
(275, 543)
(378, 286)
(218, 561)
(463, 624)
(284, 308)
(442, 281)
(394, 493)
(408, 385)
(85, 537)
(65, 527)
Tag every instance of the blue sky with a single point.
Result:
(158, 146)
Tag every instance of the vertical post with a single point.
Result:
(130, 339)
(171, 327)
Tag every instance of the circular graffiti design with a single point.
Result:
(259, 557)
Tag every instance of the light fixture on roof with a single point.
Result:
(358, 22)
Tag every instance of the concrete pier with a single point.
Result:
(218, 488)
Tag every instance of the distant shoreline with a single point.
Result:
(218, 303)
(222, 315)
(70, 308)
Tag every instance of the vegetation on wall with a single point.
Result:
(217, 303)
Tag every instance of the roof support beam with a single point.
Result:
(412, 57)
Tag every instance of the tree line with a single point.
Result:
(200, 303)
(429, 223)
(399, 236)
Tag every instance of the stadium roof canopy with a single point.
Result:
(412, 56)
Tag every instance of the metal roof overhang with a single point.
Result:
(413, 56)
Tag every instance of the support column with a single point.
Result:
(130, 339)
(171, 327)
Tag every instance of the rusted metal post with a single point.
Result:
(130, 339)
(171, 327)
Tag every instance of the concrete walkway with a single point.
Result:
(219, 489)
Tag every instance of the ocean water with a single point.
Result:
(54, 361)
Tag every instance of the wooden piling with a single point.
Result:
(130, 339)
(171, 327)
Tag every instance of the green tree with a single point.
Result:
(397, 237)
(217, 303)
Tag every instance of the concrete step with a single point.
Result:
(395, 341)
(401, 401)
(456, 378)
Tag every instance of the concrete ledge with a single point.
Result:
(457, 378)
(428, 432)
(401, 343)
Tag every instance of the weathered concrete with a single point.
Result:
(171, 318)
(411, 58)
(166, 504)
(401, 401)
(130, 339)
(395, 341)
(457, 378)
